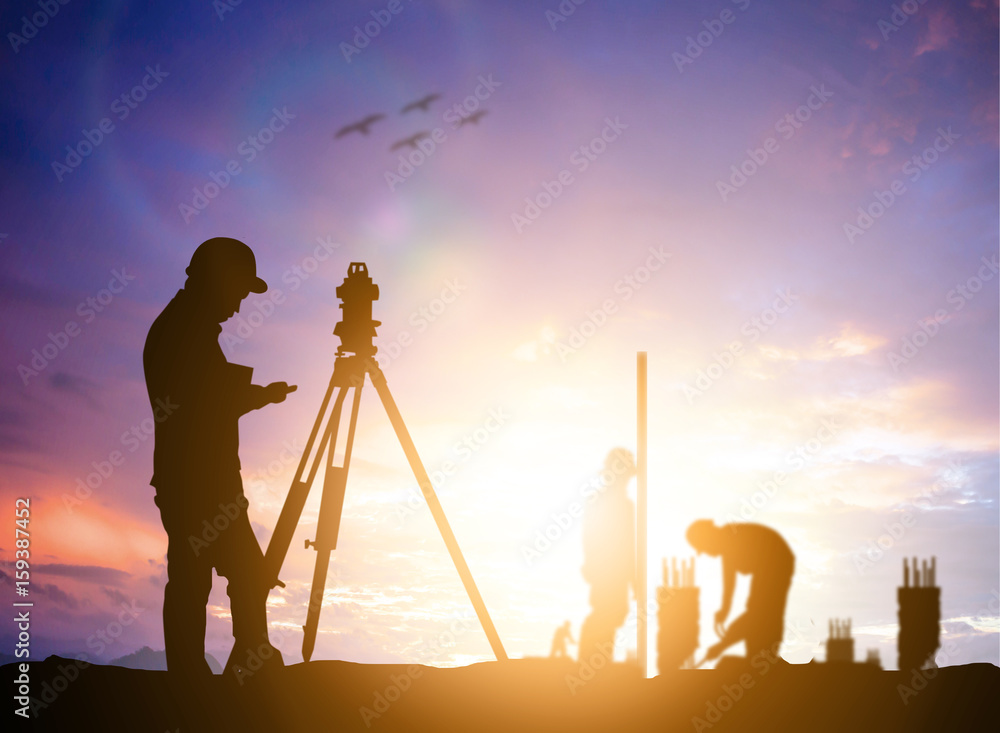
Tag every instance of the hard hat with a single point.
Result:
(620, 461)
(699, 535)
(222, 258)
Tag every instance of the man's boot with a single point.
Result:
(253, 661)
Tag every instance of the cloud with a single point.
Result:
(18, 291)
(116, 596)
(76, 385)
(65, 382)
(849, 341)
(86, 573)
(56, 595)
(13, 438)
(941, 28)
(530, 350)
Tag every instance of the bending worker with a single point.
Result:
(762, 553)
(196, 464)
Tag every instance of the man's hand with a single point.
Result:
(720, 621)
(714, 651)
(276, 392)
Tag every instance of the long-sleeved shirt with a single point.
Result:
(198, 442)
(754, 549)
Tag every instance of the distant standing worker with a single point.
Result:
(762, 553)
(608, 555)
(562, 636)
(196, 464)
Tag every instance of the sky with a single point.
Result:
(790, 207)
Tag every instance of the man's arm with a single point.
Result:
(728, 586)
(256, 396)
(736, 633)
(246, 396)
(634, 570)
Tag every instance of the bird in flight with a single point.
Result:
(473, 118)
(423, 104)
(410, 141)
(359, 126)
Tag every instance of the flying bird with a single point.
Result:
(359, 126)
(410, 141)
(423, 104)
(473, 118)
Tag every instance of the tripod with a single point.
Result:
(349, 373)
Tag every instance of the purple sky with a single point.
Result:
(773, 215)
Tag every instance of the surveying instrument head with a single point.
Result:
(356, 328)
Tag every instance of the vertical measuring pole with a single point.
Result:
(640, 505)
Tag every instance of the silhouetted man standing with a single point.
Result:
(755, 550)
(196, 465)
(608, 555)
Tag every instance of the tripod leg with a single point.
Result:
(315, 604)
(417, 466)
(291, 511)
(277, 548)
(328, 526)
